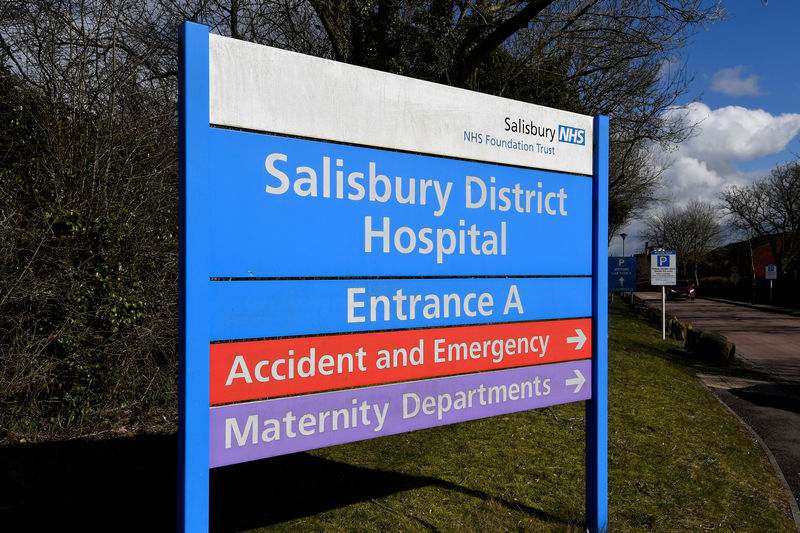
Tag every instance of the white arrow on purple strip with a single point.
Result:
(578, 380)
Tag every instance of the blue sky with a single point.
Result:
(746, 97)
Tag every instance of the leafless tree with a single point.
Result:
(770, 208)
(691, 231)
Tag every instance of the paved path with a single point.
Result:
(770, 341)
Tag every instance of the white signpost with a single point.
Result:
(663, 271)
(771, 273)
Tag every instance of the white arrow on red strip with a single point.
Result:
(578, 380)
(578, 340)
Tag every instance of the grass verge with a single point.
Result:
(677, 462)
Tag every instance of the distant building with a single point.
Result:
(736, 271)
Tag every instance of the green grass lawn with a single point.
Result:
(677, 462)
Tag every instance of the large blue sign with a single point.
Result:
(347, 201)
(622, 274)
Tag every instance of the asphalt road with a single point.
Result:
(769, 341)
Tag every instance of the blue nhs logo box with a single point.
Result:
(568, 134)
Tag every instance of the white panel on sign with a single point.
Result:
(663, 267)
(266, 89)
(771, 272)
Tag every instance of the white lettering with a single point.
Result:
(243, 372)
(352, 304)
(232, 427)
(269, 163)
(513, 300)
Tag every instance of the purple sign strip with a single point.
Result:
(255, 430)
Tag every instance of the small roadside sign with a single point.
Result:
(622, 274)
(663, 267)
(772, 272)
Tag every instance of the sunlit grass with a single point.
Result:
(677, 462)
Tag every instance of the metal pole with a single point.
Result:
(597, 406)
(193, 302)
(663, 313)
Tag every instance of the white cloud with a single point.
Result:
(731, 81)
(705, 164)
(690, 178)
(732, 134)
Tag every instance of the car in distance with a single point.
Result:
(683, 288)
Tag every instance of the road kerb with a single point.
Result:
(704, 380)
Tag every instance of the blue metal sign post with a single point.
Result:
(194, 303)
(305, 224)
(597, 406)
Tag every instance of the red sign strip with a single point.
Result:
(252, 370)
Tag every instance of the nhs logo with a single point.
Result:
(568, 134)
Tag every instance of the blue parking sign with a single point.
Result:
(622, 274)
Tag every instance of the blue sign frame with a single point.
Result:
(195, 203)
(199, 265)
(597, 406)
